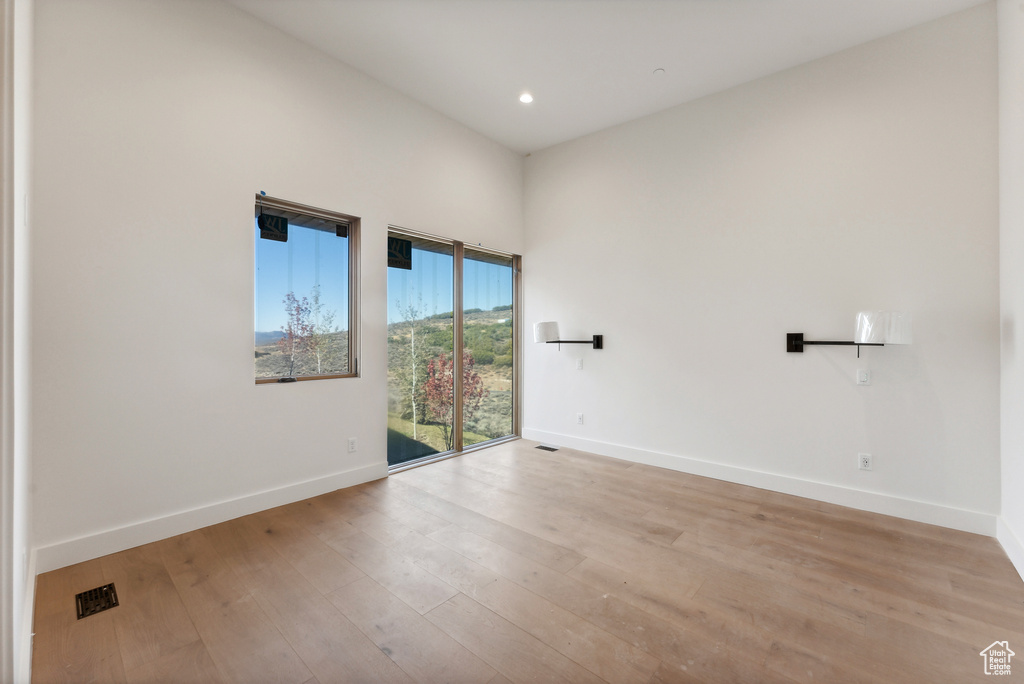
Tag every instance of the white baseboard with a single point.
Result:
(919, 511)
(1011, 544)
(70, 551)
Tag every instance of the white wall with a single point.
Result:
(18, 569)
(696, 238)
(1011, 290)
(156, 122)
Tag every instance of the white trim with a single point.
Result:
(70, 551)
(920, 511)
(8, 553)
(23, 662)
(1011, 544)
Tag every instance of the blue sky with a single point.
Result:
(314, 256)
(308, 258)
(429, 285)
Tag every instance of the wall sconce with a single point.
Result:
(874, 329)
(547, 332)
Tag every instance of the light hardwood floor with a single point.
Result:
(517, 565)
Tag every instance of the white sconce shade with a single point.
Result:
(884, 327)
(546, 331)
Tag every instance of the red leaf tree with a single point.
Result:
(440, 395)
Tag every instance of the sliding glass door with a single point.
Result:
(443, 296)
(487, 343)
(420, 339)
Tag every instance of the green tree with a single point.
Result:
(322, 342)
(408, 362)
(310, 338)
(296, 330)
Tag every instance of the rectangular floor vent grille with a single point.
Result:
(95, 600)
(547, 447)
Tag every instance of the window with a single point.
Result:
(444, 296)
(305, 292)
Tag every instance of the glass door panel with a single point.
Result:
(420, 352)
(488, 353)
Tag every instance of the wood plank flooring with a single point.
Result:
(513, 564)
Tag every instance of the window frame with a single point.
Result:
(267, 203)
(459, 253)
(517, 348)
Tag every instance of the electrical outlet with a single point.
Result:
(351, 444)
(863, 376)
(579, 364)
(864, 461)
(579, 419)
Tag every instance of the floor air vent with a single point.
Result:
(95, 600)
(547, 447)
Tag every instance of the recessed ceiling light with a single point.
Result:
(526, 98)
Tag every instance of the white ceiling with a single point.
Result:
(588, 63)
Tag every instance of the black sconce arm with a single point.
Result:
(598, 342)
(795, 343)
